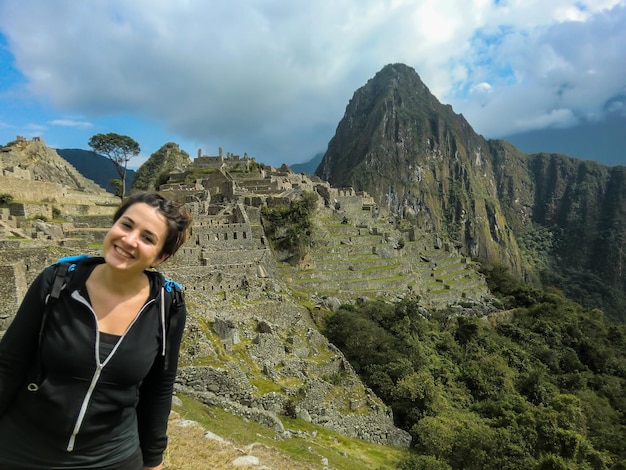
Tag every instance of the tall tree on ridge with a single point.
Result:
(119, 149)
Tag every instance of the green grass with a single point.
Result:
(264, 386)
(309, 444)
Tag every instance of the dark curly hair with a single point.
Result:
(177, 216)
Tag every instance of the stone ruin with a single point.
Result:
(248, 347)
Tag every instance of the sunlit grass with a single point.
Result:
(189, 449)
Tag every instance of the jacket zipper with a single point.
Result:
(100, 365)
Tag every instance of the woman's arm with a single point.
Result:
(18, 347)
(155, 393)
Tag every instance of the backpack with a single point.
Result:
(171, 295)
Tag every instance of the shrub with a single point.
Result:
(423, 462)
(6, 198)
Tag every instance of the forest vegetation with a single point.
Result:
(540, 385)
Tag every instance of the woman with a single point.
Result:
(106, 355)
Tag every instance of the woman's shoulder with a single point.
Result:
(163, 281)
(71, 263)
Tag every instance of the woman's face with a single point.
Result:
(135, 240)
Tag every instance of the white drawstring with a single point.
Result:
(163, 319)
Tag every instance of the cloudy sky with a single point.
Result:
(272, 78)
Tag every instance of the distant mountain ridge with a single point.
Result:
(95, 167)
(547, 217)
(308, 167)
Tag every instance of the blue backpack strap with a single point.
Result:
(72, 259)
(171, 285)
(64, 265)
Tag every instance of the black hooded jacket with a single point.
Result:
(87, 412)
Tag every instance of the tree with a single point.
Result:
(117, 187)
(289, 226)
(119, 149)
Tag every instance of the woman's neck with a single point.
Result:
(118, 281)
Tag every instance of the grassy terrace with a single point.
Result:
(351, 260)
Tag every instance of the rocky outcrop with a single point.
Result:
(157, 169)
(32, 160)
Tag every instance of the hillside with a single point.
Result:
(429, 355)
(33, 160)
(155, 171)
(549, 218)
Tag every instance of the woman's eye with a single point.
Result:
(148, 239)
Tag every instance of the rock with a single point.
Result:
(303, 415)
(246, 461)
(176, 401)
(213, 436)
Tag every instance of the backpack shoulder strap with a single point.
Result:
(62, 268)
(172, 296)
(60, 273)
(172, 286)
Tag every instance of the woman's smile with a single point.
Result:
(123, 252)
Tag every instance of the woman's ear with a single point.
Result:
(159, 260)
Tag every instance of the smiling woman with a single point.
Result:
(86, 381)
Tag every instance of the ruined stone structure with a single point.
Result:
(244, 327)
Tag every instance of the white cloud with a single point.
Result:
(554, 118)
(71, 123)
(617, 106)
(33, 127)
(537, 73)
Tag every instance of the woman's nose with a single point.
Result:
(132, 237)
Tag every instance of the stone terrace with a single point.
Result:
(360, 255)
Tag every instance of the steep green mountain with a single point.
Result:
(95, 167)
(158, 167)
(423, 162)
(548, 217)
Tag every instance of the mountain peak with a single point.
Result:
(392, 118)
(397, 74)
(424, 163)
